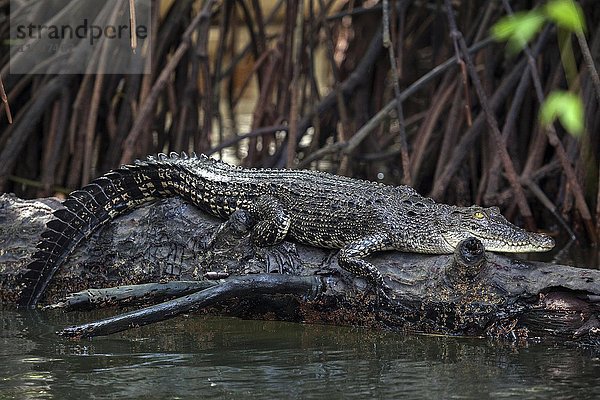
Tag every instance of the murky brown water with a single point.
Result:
(198, 357)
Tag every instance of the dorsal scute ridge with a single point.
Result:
(175, 157)
(180, 167)
(148, 163)
(214, 161)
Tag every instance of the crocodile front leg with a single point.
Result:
(351, 257)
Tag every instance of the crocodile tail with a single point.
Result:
(87, 209)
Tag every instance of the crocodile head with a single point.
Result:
(491, 228)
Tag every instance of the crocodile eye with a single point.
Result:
(478, 215)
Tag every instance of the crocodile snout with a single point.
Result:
(543, 241)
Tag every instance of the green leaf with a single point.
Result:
(566, 14)
(565, 106)
(518, 29)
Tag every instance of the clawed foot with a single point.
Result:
(238, 225)
(383, 292)
(282, 258)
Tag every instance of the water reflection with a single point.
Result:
(566, 254)
(223, 357)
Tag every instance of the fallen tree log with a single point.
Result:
(164, 247)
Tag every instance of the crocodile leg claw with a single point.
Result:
(383, 293)
(351, 256)
(239, 223)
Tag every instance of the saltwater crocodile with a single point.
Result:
(316, 208)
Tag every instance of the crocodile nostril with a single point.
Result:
(544, 240)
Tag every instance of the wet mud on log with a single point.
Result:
(164, 246)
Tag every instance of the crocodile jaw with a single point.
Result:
(522, 242)
(534, 242)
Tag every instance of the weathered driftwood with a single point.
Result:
(165, 242)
